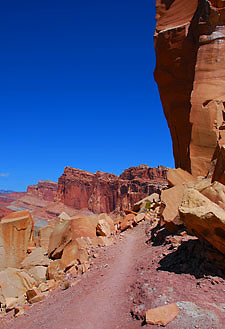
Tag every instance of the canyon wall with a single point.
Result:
(44, 190)
(190, 73)
(103, 192)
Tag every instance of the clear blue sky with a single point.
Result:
(77, 89)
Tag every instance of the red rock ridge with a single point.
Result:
(103, 192)
(44, 190)
(190, 71)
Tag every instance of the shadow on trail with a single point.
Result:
(194, 257)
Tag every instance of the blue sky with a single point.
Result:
(77, 89)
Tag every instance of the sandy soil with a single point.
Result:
(127, 279)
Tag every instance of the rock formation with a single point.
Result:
(103, 192)
(190, 70)
(204, 218)
(16, 233)
(45, 190)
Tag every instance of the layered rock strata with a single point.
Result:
(190, 71)
(103, 192)
(45, 190)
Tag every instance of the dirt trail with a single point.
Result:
(130, 276)
(98, 301)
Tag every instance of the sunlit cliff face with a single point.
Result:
(190, 70)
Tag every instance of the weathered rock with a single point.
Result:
(127, 222)
(83, 226)
(31, 293)
(55, 270)
(13, 302)
(162, 315)
(102, 192)
(214, 192)
(44, 236)
(18, 310)
(203, 218)
(60, 237)
(178, 176)
(14, 283)
(48, 285)
(72, 255)
(108, 219)
(103, 228)
(146, 203)
(38, 273)
(139, 218)
(16, 235)
(219, 171)
(45, 190)
(38, 298)
(37, 257)
(172, 199)
(64, 216)
(83, 243)
(189, 44)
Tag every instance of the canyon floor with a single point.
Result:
(124, 281)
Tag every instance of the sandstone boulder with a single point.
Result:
(162, 315)
(72, 255)
(64, 216)
(108, 219)
(44, 236)
(214, 192)
(36, 258)
(178, 176)
(146, 203)
(203, 218)
(16, 236)
(37, 297)
(83, 226)
(172, 199)
(127, 222)
(48, 285)
(38, 273)
(14, 283)
(55, 270)
(103, 228)
(60, 237)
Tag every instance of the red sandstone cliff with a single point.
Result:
(44, 190)
(103, 192)
(190, 73)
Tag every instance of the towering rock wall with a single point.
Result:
(102, 192)
(190, 73)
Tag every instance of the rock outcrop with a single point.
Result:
(203, 218)
(190, 70)
(16, 235)
(103, 192)
(45, 190)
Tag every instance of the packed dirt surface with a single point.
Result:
(124, 281)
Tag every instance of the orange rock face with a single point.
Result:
(16, 234)
(102, 192)
(190, 71)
